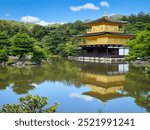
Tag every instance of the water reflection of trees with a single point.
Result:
(138, 86)
(24, 79)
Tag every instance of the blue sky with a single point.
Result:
(53, 11)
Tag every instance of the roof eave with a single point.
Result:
(90, 23)
(105, 33)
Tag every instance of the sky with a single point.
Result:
(45, 12)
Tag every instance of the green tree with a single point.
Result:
(4, 45)
(22, 45)
(3, 56)
(49, 38)
(140, 46)
(136, 22)
(38, 32)
(68, 49)
(30, 104)
(147, 27)
(24, 29)
(51, 41)
(39, 54)
(4, 40)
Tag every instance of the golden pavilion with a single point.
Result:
(105, 38)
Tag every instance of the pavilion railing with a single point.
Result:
(101, 55)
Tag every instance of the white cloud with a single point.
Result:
(30, 19)
(36, 20)
(87, 6)
(84, 97)
(44, 23)
(104, 4)
(58, 23)
(34, 84)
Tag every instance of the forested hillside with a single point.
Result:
(136, 22)
(43, 41)
(140, 45)
(38, 41)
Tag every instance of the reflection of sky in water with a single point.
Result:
(7, 96)
(70, 99)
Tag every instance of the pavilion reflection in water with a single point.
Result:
(107, 84)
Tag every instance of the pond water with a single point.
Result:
(79, 86)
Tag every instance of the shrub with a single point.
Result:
(30, 104)
(39, 54)
(3, 56)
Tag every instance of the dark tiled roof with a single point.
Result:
(106, 19)
(103, 33)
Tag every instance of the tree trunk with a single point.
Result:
(21, 55)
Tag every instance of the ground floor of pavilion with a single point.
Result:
(103, 51)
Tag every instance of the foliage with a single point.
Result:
(38, 32)
(137, 86)
(49, 38)
(68, 49)
(3, 55)
(59, 39)
(24, 29)
(39, 54)
(140, 46)
(4, 40)
(22, 44)
(53, 39)
(13, 27)
(4, 45)
(59, 36)
(136, 22)
(147, 27)
(30, 104)
(139, 25)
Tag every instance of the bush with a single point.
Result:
(39, 54)
(3, 56)
(140, 46)
(68, 49)
(30, 104)
(4, 40)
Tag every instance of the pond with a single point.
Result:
(79, 86)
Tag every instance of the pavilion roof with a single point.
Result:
(106, 19)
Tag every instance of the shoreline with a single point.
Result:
(109, 60)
